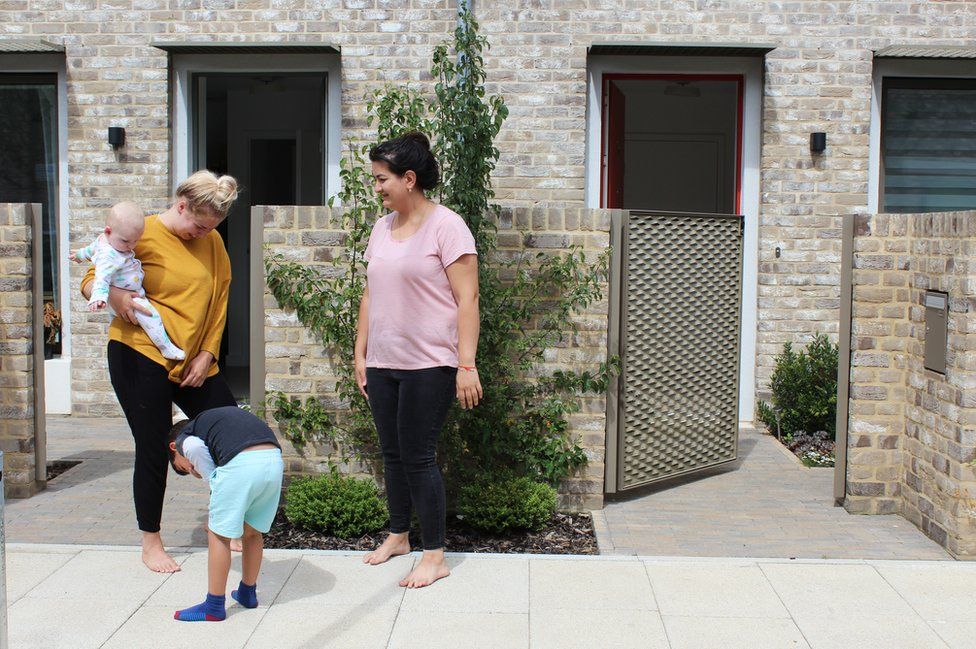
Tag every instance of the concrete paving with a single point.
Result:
(766, 504)
(62, 596)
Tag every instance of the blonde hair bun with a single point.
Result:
(205, 190)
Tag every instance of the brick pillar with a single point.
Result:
(17, 423)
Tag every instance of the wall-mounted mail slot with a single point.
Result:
(936, 326)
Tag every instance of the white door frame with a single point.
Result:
(751, 68)
(185, 65)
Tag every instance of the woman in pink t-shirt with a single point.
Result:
(416, 342)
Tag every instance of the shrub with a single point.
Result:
(504, 503)
(804, 387)
(342, 506)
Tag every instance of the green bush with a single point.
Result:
(501, 504)
(804, 387)
(342, 506)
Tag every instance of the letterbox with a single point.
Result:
(936, 325)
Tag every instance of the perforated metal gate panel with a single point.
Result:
(679, 386)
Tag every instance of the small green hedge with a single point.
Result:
(342, 506)
(502, 504)
(804, 387)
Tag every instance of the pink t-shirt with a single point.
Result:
(412, 312)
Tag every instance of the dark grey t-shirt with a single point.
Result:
(227, 431)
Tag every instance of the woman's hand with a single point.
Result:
(195, 372)
(361, 376)
(469, 391)
(123, 304)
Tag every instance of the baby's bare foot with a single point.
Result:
(236, 545)
(432, 567)
(394, 545)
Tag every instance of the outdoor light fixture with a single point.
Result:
(818, 142)
(116, 136)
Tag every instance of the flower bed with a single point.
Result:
(564, 534)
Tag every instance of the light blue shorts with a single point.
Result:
(245, 490)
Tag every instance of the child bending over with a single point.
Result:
(240, 457)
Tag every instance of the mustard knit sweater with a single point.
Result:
(188, 282)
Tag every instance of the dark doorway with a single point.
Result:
(266, 130)
(29, 166)
(672, 142)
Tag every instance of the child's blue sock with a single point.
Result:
(212, 610)
(246, 595)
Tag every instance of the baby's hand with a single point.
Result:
(96, 306)
(73, 257)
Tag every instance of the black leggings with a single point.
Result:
(409, 408)
(147, 396)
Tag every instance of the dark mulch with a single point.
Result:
(565, 534)
(57, 467)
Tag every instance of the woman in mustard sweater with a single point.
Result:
(187, 277)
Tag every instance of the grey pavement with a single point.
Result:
(766, 504)
(79, 597)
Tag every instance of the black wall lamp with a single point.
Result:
(116, 136)
(818, 142)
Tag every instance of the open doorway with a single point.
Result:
(266, 130)
(672, 142)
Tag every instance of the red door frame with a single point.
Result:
(611, 158)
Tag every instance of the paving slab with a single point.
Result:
(296, 625)
(584, 628)
(332, 599)
(452, 630)
(733, 633)
(476, 584)
(684, 589)
(613, 585)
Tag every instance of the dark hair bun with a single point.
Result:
(409, 152)
(419, 138)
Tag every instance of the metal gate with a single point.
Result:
(675, 323)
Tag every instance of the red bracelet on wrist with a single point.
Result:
(468, 368)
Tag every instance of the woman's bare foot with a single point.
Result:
(236, 545)
(394, 545)
(154, 556)
(432, 567)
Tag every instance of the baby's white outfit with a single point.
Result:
(122, 269)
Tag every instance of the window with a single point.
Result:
(29, 160)
(928, 145)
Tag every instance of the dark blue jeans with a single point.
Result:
(409, 408)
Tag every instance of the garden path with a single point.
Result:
(766, 504)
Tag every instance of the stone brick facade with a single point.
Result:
(912, 431)
(817, 78)
(297, 365)
(16, 352)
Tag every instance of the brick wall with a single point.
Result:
(297, 365)
(16, 352)
(913, 431)
(817, 79)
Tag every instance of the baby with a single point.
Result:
(116, 265)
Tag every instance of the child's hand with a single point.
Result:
(73, 257)
(96, 306)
